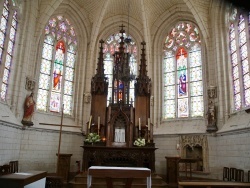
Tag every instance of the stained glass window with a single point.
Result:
(110, 47)
(8, 24)
(182, 73)
(56, 79)
(239, 52)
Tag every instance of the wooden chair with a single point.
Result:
(5, 169)
(226, 174)
(13, 166)
(232, 172)
(240, 175)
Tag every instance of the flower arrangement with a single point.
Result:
(92, 137)
(140, 142)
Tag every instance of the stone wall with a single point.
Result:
(36, 149)
(224, 150)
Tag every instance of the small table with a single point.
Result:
(30, 179)
(118, 172)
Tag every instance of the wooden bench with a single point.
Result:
(210, 184)
(118, 172)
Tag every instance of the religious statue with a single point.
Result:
(29, 107)
(211, 114)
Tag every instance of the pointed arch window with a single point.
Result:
(110, 47)
(182, 73)
(8, 29)
(239, 42)
(56, 79)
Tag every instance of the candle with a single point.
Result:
(90, 121)
(149, 124)
(99, 119)
(139, 124)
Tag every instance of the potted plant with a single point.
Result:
(92, 138)
(139, 142)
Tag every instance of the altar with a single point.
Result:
(119, 157)
(120, 111)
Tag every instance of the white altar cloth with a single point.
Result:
(118, 172)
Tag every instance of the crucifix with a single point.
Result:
(60, 135)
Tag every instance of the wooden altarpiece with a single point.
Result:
(119, 124)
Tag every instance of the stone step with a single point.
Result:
(80, 181)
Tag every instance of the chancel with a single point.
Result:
(158, 85)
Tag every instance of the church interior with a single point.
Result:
(157, 84)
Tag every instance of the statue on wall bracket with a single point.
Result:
(211, 112)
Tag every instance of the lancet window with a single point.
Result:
(239, 58)
(8, 29)
(182, 73)
(56, 81)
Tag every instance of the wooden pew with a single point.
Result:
(211, 184)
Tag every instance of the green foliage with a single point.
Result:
(140, 142)
(92, 137)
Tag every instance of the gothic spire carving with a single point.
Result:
(99, 83)
(143, 82)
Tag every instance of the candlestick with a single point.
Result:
(90, 121)
(139, 124)
(149, 124)
(99, 119)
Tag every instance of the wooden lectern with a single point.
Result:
(64, 166)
